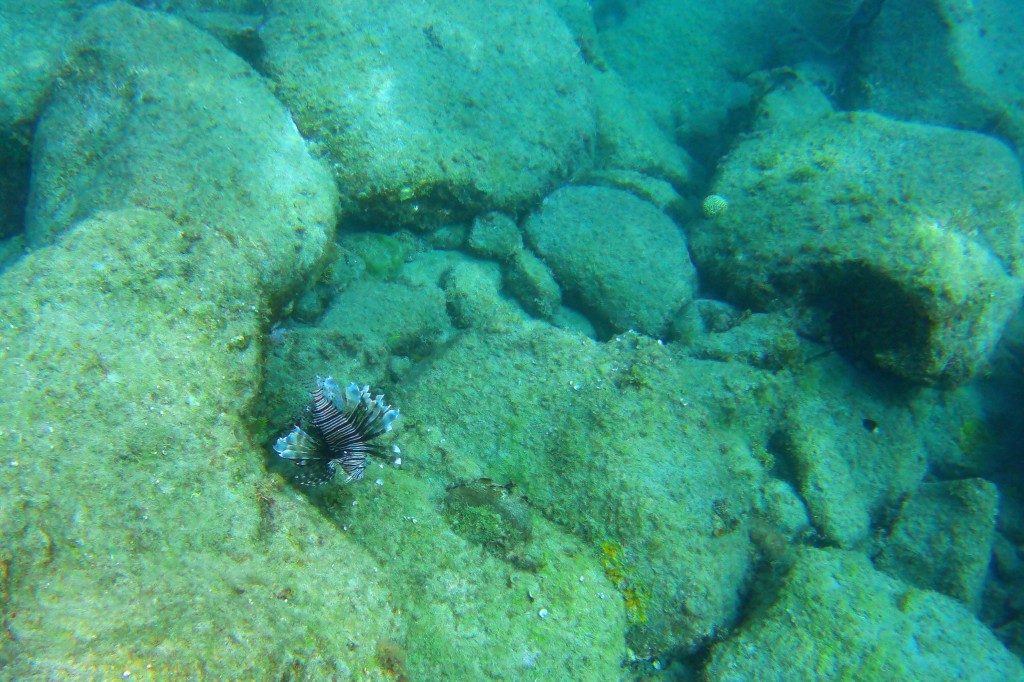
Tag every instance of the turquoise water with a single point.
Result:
(537, 340)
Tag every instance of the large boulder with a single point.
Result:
(852, 450)
(139, 528)
(942, 539)
(32, 35)
(493, 589)
(139, 532)
(425, 108)
(688, 60)
(154, 113)
(907, 237)
(631, 447)
(628, 138)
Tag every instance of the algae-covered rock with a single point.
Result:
(687, 60)
(139, 532)
(651, 189)
(821, 465)
(761, 340)
(495, 235)
(387, 317)
(472, 291)
(947, 62)
(835, 617)
(630, 446)
(152, 112)
(533, 285)
(31, 37)
(624, 261)
(487, 588)
(629, 139)
(907, 237)
(234, 22)
(526, 277)
(852, 448)
(422, 108)
(942, 539)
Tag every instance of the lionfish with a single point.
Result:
(340, 433)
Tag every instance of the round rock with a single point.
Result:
(623, 261)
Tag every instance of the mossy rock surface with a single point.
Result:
(916, 263)
(942, 539)
(152, 112)
(621, 259)
(835, 617)
(139, 527)
(420, 106)
(946, 63)
(621, 442)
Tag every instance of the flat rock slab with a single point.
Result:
(421, 107)
(906, 236)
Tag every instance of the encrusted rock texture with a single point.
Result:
(774, 434)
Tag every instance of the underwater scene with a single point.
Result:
(542, 340)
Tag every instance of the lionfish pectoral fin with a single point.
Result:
(298, 446)
(389, 417)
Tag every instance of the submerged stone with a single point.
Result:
(835, 617)
(905, 237)
(155, 113)
(624, 261)
(422, 108)
(942, 539)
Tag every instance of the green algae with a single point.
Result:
(382, 254)
(491, 516)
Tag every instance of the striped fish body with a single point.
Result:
(347, 447)
(341, 433)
